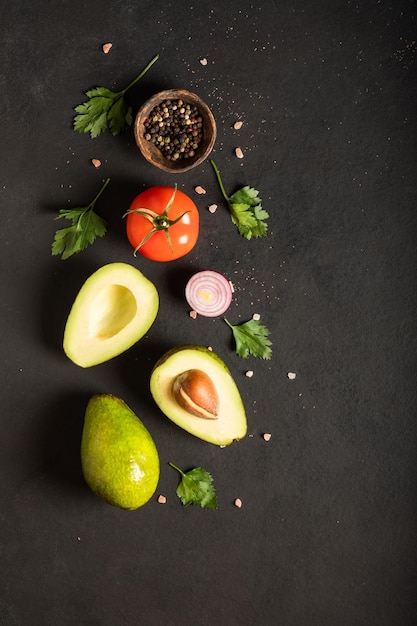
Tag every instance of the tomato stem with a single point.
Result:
(159, 221)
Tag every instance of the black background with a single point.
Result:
(327, 532)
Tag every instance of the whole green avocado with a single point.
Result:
(119, 458)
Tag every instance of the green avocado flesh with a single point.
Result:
(230, 424)
(119, 458)
(114, 308)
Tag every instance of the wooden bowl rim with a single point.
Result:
(152, 154)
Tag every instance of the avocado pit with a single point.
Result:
(195, 392)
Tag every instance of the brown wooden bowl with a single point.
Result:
(149, 149)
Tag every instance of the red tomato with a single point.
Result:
(162, 223)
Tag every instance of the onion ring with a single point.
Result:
(208, 293)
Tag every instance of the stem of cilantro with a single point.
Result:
(89, 209)
(83, 230)
(90, 206)
(219, 180)
(177, 468)
(143, 72)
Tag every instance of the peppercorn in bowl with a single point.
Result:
(175, 130)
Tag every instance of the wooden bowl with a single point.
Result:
(155, 156)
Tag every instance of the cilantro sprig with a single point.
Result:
(251, 338)
(106, 109)
(196, 487)
(245, 209)
(85, 227)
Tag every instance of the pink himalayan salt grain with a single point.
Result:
(106, 47)
(96, 162)
(199, 189)
(267, 436)
(249, 374)
(291, 375)
(162, 499)
(238, 503)
(238, 125)
(203, 61)
(239, 153)
(193, 315)
(212, 208)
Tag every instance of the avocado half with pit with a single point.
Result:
(193, 387)
(114, 308)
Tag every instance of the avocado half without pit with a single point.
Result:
(193, 387)
(114, 308)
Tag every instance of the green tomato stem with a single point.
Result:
(162, 223)
(159, 222)
(170, 201)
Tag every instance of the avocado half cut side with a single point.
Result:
(229, 424)
(114, 308)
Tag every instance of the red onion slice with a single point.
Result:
(208, 293)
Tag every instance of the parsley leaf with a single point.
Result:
(106, 109)
(86, 226)
(196, 487)
(245, 209)
(251, 338)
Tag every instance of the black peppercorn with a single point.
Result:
(175, 127)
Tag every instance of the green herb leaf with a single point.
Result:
(251, 338)
(119, 116)
(196, 487)
(106, 109)
(100, 92)
(85, 228)
(246, 209)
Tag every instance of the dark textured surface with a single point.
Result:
(327, 531)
